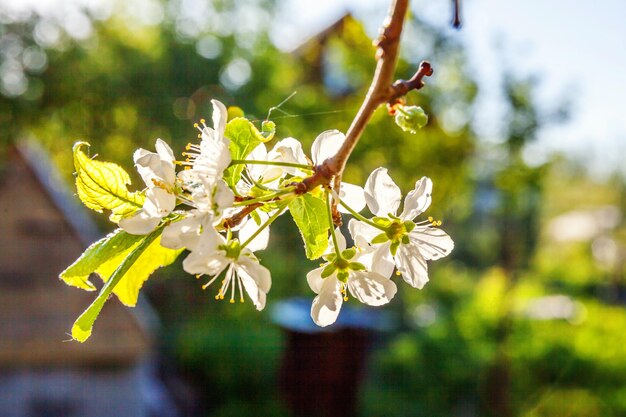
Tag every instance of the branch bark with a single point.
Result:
(382, 90)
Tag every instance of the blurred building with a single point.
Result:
(42, 372)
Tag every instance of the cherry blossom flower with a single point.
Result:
(340, 275)
(397, 240)
(158, 172)
(214, 255)
(212, 156)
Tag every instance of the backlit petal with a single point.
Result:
(432, 242)
(139, 224)
(251, 227)
(353, 196)
(315, 280)
(362, 233)
(381, 193)
(326, 145)
(371, 288)
(418, 200)
(412, 266)
(327, 304)
(220, 116)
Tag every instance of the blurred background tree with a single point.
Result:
(522, 320)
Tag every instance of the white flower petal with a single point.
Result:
(341, 241)
(140, 223)
(258, 272)
(159, 203)
(250, 228)
(412, 266)
(223, 198)
(289, 150)
(148, 166)
(185, 233)
(371, 288)
(353, 196)
(432, 242)
(156, 166)
(220, 116)
(205, 263)
(378, 259)
(214, 156)
(362, 233)
(418, 200)
(256, 280)
(167, 159)
(381, 193)
(315, 280)
(259, 153)
(326, 305)
(326, 145)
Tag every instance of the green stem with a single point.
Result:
(263, 226)
(360, 217)
(332, 225)
(273, 163)
(264, 198)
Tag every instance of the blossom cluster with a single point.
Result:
(220, 209)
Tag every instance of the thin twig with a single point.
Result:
(381, 91)
(456, 14)
(401, 87)
(237, 218)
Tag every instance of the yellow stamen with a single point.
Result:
(398, 273)
(196, 125)
(202, 121)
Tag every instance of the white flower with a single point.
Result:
(211, 198)
(397, 240)
(335, 279)
(212, 156)
(158, 172)
(215, 255)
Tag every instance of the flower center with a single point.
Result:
(232, 249)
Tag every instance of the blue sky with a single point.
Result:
(575, 48)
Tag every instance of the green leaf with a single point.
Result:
(104, 256)
(102, 186)
(309, 213)
(244, 137)
(124, 274)
(100, 252)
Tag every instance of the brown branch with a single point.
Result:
(237, 218)
(401, 87)
(382, 90)
(387, 54)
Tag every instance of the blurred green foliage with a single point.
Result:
(474, 327)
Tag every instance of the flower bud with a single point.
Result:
(411, 118)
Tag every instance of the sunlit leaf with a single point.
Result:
(244, 137)
(124, 273)
(310, 215)
(100, 252)
(102, 186)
